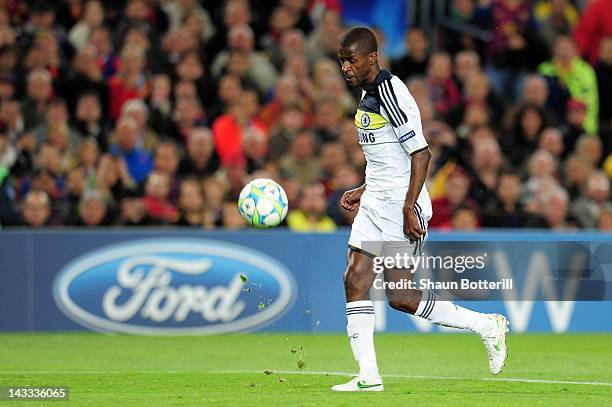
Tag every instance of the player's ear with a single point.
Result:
(373, 57)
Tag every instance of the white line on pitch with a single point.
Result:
(397, 376)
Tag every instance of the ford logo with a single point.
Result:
(174, 287)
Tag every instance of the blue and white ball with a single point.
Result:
(263, 203)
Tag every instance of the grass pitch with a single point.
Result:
(292, 370)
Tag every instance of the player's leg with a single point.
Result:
(358, 280)
(492, 328)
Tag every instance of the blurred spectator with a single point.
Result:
(477, 94)
(515, 47)
(467, 63)
(573, 128)
(93, 16)
(228, 129)
(158, 209)
(100, 40)
(566, 72)
(507, 210)
(344, 178)
(327, 117)
(254, 148)
(93, 210)
(188, 114)
(486, 163)
(311, 217)
(542, 164)
(551, 140)
(36, 209)
(556, 210)
(39, 93)
(291, 122)
(87, 155)
(323, 40)
(300, 160)
(577, 170)
(457, 186)
(594, 201)
(234, 13)
(166, 160)
(139, 162)
(444, 93)
(529, 122)
(89, 119)
(113, 179)
(232, 219)
(280, 22)
(415, 62)
(191, 14)
(555, 17)
(603, 70)
(464, 218)
(465, 27)
(55, 116)
(68, 205)
(214, 195)
(8, 152)
(137, 110)
(191, 204)
(605, 221)
(200, 159)
(595, 24)
(130, 82)
(86, 76)
(332, 157)
(242, 59)
(590, 147)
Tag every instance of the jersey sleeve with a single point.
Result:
(400, 109)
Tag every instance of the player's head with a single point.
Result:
(358, 54)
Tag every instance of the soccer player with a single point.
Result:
(393, 205)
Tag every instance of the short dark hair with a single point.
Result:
(362, 37)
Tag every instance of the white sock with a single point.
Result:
(448, 314)
(360, 329)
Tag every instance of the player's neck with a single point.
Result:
(371, 76)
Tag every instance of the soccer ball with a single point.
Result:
(263, 203)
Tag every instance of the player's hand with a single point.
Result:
(351, 198)
(412, 227)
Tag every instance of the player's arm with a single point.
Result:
(401, 111)
(418, 173)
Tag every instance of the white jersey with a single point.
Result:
(389, 126)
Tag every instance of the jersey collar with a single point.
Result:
(382, 75)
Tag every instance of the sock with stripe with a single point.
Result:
(447, 313)
(360, 329)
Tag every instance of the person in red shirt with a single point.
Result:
(595, 24)
(158, 207)
(228, 129)
(130, 82)
(456, 188)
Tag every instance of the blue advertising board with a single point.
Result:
(184, 282)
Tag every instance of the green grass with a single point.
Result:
(119, 370)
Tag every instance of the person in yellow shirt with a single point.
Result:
(311, 216)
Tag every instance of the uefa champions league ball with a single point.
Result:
(263, 203)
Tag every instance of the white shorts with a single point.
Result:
(381, 220)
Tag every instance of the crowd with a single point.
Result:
(144, 112)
